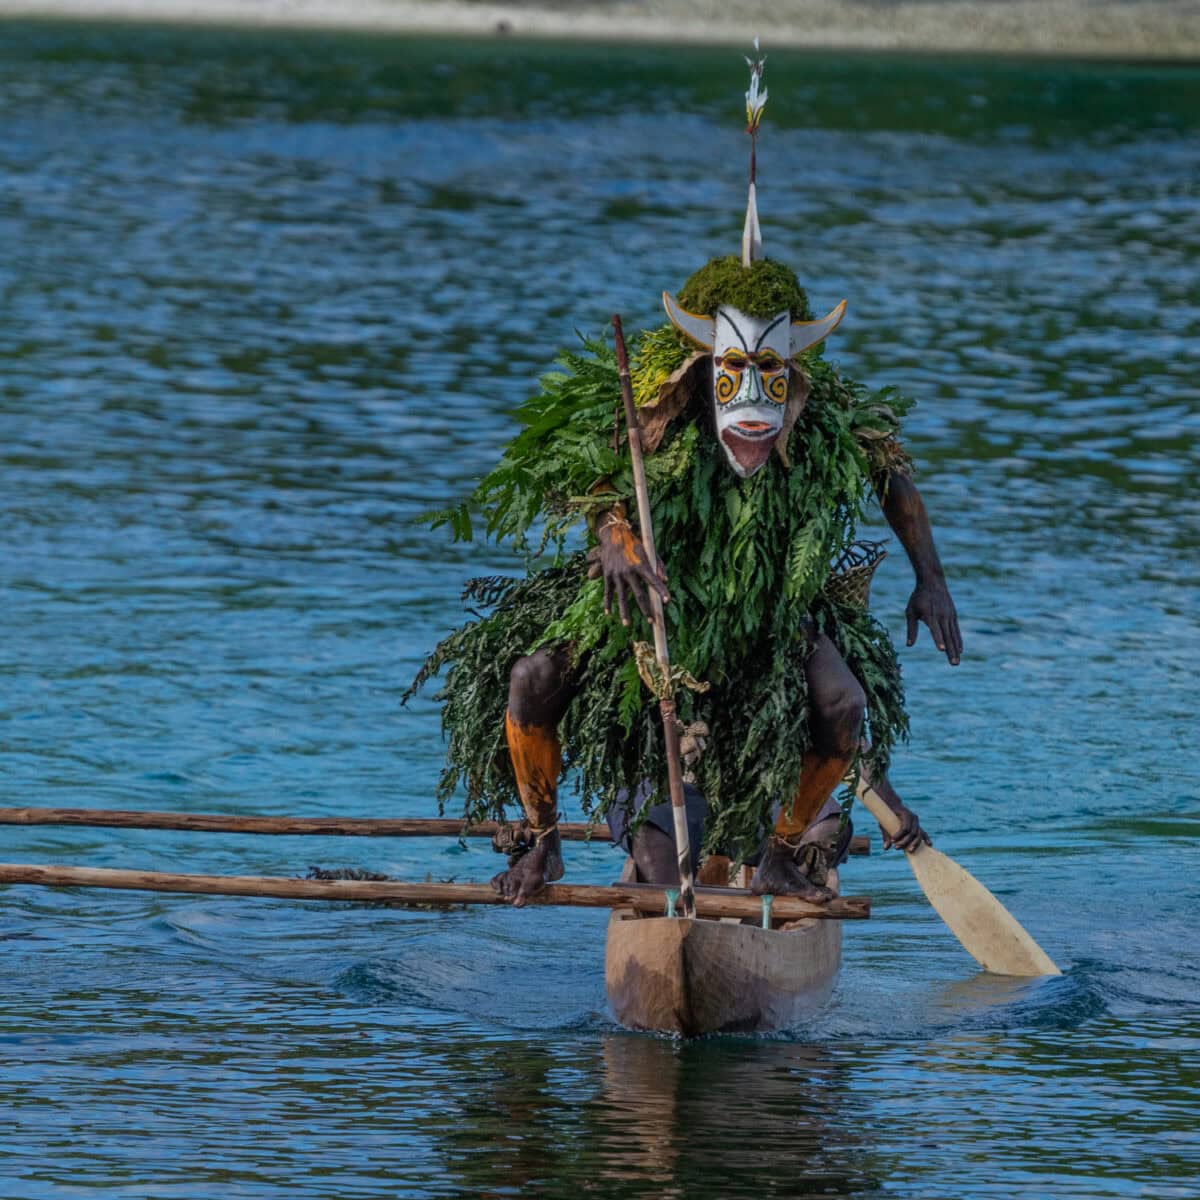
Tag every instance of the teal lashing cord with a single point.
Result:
(672, 896)
(767, 902)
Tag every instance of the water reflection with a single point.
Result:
(643, 1116)
(979, 995)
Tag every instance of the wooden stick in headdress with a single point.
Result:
(658, 620)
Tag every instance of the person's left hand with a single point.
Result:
(910, 835)
(931, 603)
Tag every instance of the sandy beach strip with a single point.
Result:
(1158, 29)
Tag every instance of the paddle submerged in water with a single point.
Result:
(989, 933)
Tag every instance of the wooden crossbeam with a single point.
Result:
(297, 826)
(710, 902)
(117, 818)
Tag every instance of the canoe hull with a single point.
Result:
(694, 977)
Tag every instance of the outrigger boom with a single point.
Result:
(123, 818)
(642, 898)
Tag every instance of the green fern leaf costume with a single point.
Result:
(747, 560)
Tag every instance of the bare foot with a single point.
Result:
(779, 874)
(533, 870)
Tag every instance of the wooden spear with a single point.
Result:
(658, 621)
(650, 898)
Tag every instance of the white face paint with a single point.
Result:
(750, 373)
(750, 385)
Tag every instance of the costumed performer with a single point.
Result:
(761, 459)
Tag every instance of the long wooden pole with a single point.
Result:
(710, 902)
(116, 818)
(121, 818)
(666, 704)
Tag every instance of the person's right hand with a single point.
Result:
(910, 835)
(625, 568)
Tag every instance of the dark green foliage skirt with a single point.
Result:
(757, 708)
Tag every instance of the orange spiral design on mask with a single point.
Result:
(727, 386)
(776, 387)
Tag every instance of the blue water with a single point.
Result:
(264, 298)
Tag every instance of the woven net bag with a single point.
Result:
(850, 580)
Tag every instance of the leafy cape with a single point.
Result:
(746, 561)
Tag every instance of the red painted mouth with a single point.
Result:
(748, 452)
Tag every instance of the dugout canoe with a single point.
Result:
(700, 976)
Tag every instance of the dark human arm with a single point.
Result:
(930, 601)
(910, 834)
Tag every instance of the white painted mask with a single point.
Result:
(751, 361)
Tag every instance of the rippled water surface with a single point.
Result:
(266, 298)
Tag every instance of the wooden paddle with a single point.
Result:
(989, 933)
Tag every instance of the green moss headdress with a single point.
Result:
(760, 290)
(752, 317)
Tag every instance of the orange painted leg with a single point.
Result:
(819, 775)
(537, 761)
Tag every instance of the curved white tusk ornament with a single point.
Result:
(806, 334)
(696, 328)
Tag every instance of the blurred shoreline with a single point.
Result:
(1137, 29)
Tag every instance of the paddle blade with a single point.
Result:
(989, 933)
